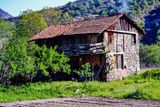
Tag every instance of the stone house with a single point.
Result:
(93, 40)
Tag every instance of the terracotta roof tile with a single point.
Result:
(82, 27)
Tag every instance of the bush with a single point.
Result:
(18, 59)
(24, 60)
(21, 60)
(85, 71)
(138, 94)
(149, 55)
(152, 74)
(50, 62)
(146, 77)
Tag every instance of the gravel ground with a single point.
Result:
(83, 102)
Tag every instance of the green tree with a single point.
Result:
(6, 31)
(145, 3)
(65, 17)
(18, 55)
(84, 8)
(153, 1)
(141, 24)
(24, 58)
(139, 11)
(85, 71)
(48, 59)
(30, 23)
(98, 2)
(18, 59)
(53, 16)
(104, 13)
(77, 13)
(50, 15)
(149, 55)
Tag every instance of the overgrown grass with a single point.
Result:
(143, 86)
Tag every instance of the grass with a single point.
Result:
(143, 86)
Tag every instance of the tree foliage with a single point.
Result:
(48, 59)
(85, 71)
(65, 18)
(86, 8)
(24, 59)
(6, 29)
(149, 55)
(18, 59)
(27, 59)
(6, 32)
(30, 23)
(52, 16)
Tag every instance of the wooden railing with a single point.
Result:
(80, 49)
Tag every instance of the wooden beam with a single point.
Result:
(123, 32)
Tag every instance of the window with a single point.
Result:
(133, 39)
(119, 62)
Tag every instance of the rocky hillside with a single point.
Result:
(4, 15)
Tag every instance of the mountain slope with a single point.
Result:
(4, 15)
(89, 8)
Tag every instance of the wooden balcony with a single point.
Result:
(82, 49)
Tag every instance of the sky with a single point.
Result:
(14, 7)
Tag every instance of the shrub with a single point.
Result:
(149, 55)
(138, 94)
(24, 60)
(49, 61)
(85, 71)
(152, 74)
(18, 59)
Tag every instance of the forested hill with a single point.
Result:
(89, 8)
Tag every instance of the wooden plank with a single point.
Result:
(122, 32)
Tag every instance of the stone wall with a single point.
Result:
(122, 45)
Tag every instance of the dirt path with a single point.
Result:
(83, 102)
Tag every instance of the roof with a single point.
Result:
(81, 27)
